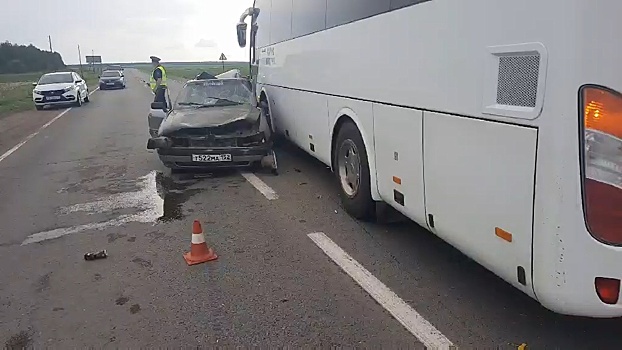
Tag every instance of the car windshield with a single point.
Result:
(217, 92)
(56, 78)
(110, 74)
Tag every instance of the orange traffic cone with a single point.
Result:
(199, 251)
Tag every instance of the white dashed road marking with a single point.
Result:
(29, 137)
(261, 186)
(406, 315)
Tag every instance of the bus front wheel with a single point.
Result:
(352, 172)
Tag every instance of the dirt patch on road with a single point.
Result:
(20, 340)
(15, 127)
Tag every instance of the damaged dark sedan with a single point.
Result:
(215, 123)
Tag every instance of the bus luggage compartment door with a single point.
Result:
(479, 191)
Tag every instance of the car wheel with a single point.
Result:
(78, 102)
(39, 108)
(87, 98)
(352, 172)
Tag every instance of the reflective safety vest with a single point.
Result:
(152, 81)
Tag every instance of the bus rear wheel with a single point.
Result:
(352, 172)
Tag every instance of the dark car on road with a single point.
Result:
(112, 79)
(214, 123)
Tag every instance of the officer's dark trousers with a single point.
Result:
(160, 95)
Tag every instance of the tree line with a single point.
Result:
(16, 58)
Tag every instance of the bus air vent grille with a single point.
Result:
(517, 83)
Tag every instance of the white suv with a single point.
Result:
(60, 88)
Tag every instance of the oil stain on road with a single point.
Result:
(174, 193)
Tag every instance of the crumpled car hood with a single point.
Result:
(210, 117)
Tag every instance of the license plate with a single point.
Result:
(210, 158)
(109, 83)
(53, 97)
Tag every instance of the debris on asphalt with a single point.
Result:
(297, 170)
(95, 256)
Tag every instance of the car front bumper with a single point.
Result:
(182, 157)
(111, 84)
(68, 97)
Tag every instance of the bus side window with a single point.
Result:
(396, 4)
(308, 17)
(340, 12)
(263, 23)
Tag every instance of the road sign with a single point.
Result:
(93, 59)
(222, 59)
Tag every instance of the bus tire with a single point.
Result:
(265, 107)
(350, 157)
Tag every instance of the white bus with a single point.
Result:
(495, 124)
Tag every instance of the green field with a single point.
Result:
(16, 90)
(191, 70)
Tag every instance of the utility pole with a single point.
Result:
(80, 60)
(50, 41)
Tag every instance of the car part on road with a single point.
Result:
(270, 162)
(199, 251)
(96, 256)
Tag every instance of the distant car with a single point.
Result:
(60, 88)
(112, 79)
(214, 123)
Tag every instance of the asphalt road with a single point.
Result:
(86, 182)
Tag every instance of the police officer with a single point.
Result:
(157, 80)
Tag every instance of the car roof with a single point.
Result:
(54, 73)
(197, 80)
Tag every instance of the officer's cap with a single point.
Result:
(155, 59)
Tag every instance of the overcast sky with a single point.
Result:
(127, 30)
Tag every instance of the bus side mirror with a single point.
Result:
(241, 29)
